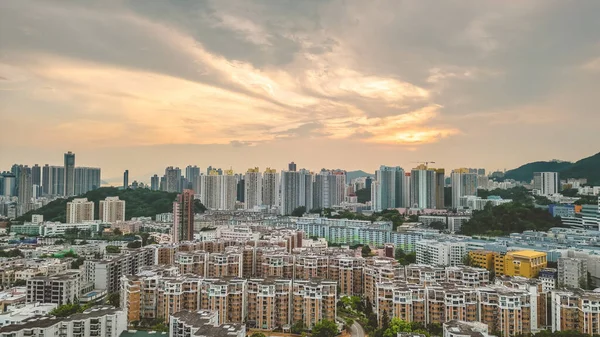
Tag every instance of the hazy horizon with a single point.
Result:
(142, 85)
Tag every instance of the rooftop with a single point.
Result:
(526, 253)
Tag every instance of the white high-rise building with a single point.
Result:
(80, 210)
(406, 190)
(438, 253)
(329, 188)
(172, 179)
(463, 184)
(112, 209)
(390, 192)
(422, 187)
(546, 183)
(270, 188)
(296, 191)
(217, 191)
(252, 188)
(86, 179)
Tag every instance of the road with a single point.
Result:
(357, 330)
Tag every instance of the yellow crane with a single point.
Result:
(424, 163)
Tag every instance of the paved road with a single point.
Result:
(357, 330)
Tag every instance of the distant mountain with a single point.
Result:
(585, 168)
(357, 174)
(588, 168)
(525, 172)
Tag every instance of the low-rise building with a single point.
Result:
(202, 323)
(59, 289)
(96, 321)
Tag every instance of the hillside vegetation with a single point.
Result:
(585, 168)
(588, 168)
(525, 172)
(138, 202)
(509, 218)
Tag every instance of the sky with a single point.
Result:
(352, 84)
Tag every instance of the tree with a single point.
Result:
(467, 260)
(366, 251)
(325, 328)
(19, 283)
(113, 249)
(398, 325)
(114, 299)
(75, 264)
(199, 207)
(59, 242)
(258, 334)
(117, 232)
(66, 310)
(134, 244)
(385, 321)
(438, 225)
(299, 211)
(298, 327)
(363, 195)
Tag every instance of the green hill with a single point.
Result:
(138, 202)
(588, 168)
(525, 172)
(357, 174)
(585, 168)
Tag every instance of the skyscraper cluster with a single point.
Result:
(422, 187)
(29, 183)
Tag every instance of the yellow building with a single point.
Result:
(526, 263)
(482, 258)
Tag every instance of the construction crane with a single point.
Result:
(426, 163)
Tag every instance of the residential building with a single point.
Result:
(269, 303)
(456, 328)
(575, 311)
(97, 321)
(463, 184)
(390, 190)
(25, 188)
(53, 180)
(172, 179)
(436, 253)
(154, 183)
(112, 210)
(253, 188)
(218, 191)
(423, 187)
(86, 179)
(548, 277)
(313, 301)
(191, 175)
(572, 272)
(183, 217)
(525, 263)
(202, 323)
(126, 179)
(546, 183)
(80, 210)
(440, 183)
(19, 313)
(270, 188)
(227, 296)
(296, 191)
(329, 189)
(106, 274)
(59, 289)
(69, 171)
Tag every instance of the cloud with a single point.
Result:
(259, 73)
